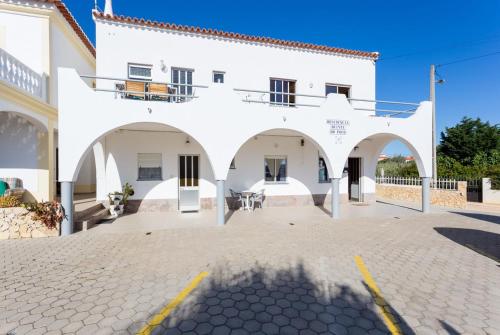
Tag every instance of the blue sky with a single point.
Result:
(427, 32)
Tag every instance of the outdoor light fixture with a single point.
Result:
(356, 148)
(187, 140)
(302, 142)
(163, 67)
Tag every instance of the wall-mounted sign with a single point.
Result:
(338, 129)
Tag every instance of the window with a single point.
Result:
(322, 171)
(139, 71)
(181, 80)
(149, 166)
(282, 92)
(275, 169)
(233, 165)
(218, 77)
(338, 89)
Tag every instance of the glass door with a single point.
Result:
(189, 183)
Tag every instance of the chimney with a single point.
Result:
(108, 8)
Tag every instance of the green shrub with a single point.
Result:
(9, 201)
(494, 174)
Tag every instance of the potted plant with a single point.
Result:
(118, 200)
(115, 203)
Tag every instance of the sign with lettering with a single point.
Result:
(338, 128)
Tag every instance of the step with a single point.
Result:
(90, 221)
(82, 212)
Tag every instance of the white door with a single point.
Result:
(189, 182)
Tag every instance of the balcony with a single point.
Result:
(145, 90)
(21, 76)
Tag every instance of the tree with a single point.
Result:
(464, 141)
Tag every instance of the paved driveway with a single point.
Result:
(269, 272)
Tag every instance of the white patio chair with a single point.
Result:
(257, 198)
(238, 197)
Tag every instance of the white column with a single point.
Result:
(67, 203)
(335, 198)
(220, 203)
(100, 170)
(426, 191)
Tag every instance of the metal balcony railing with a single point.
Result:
(137, 89)
(18, 74)
(286, 99)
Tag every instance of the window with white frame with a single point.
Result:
(139, 71)
(282, 92)
(218, 77)
(322, 171)
(182, 79)
(275, 169)
(338, 89)
(150, 166)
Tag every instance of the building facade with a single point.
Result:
(186, 115)
(36, 38)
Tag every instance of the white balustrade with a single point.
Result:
(20, 75)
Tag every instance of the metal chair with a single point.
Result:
(237, 197)
(257, 198)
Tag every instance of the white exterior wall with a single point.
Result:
(23, 36)
(66, 54)
(36, 34)
(122, 147)
(246, 65)
(18, 135)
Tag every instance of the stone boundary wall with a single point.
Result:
(445, 198)
(17, 223)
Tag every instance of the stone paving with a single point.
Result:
(270, 272)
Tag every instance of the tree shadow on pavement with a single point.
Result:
(483, 242)
(265, 301)
(479, 216)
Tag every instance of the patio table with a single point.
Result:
(247, 194)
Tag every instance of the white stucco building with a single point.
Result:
(186, 114)
(36, 38)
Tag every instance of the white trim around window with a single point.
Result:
(149, 166)
(140, 71)
(338, 89)
(275, 169)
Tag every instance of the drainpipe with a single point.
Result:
(426, 190)
(67, 203)
(335, 198)
(220, 203)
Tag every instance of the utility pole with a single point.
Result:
(433, 101)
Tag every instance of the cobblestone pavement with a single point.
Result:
(439, 272)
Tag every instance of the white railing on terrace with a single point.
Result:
(20, 75)
(441, 184)
(137, 89)
(287, 99)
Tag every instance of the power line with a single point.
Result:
(455, 45)
(469, 59)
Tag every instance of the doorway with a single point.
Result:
(354, 179)
(189, 183)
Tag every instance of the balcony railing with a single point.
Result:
(285, 99)
(18, 74)
(137, 89)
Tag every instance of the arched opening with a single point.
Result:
(25, 155)
(289, 167)
(167, 168)
(365, 163)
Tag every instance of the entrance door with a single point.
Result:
(354, 178)
(189, 183)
